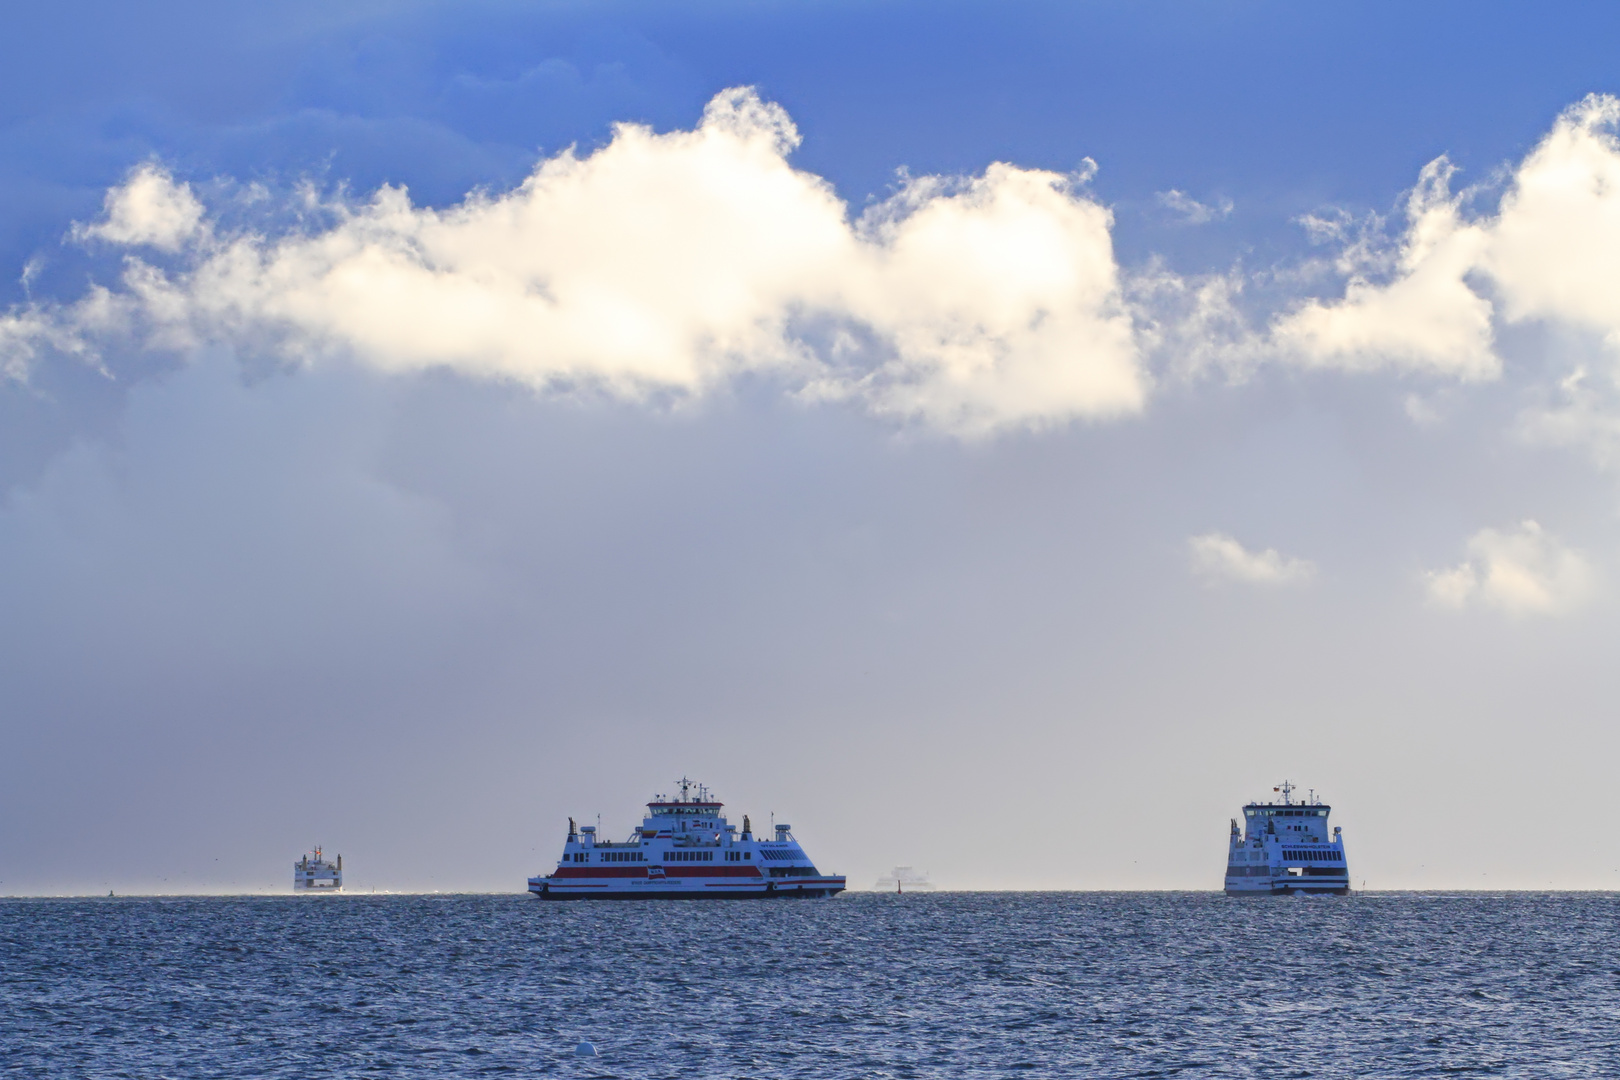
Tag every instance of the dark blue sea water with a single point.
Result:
(949, 985)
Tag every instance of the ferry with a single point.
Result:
(314, 874)
(684, 850)
(1285, 848)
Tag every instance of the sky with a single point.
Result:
(1001, 439)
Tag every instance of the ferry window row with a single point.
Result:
(778, 855)
(623, 856)
(689, 856)
(738, 856)
(1313, 855)
(1263, 812)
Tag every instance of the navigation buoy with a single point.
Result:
(585, 1049)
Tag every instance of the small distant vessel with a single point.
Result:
(1284, 848)
(904, 879)
(684, 850)
(314, 874)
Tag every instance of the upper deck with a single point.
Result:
(692, 817)
(1304, 821)
(687, 838)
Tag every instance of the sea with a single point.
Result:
(862, 985)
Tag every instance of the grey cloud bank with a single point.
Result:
(421, 620)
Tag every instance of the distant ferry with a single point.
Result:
(1284, 848)
(903, 879)
(314, 874)
(684, 850)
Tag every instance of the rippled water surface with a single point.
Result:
(1051, 984)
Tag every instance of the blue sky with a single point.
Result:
(1262, 452)
(1292, 104)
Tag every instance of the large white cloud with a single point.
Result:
(1522, 571)
(1554, 249)
(667, 263)
(671, 263)
(1426, 318)
(1550, 252)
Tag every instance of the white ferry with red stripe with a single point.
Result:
(684, 850)
(1285, 848)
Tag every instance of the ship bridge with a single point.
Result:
(692, 817)
(1305, 821)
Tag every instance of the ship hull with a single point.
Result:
(806, 889)
(1291, 889)
(1285, 849)
(1314, 881)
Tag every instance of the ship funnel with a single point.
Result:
(748, 830)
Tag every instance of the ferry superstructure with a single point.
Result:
(1285, 848)
(314, 874)
(684, 850)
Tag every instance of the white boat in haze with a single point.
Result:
(904, 879)
(314, 874)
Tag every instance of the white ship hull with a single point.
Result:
(694, 888)
(1287, 886)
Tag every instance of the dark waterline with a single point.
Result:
(953, 984)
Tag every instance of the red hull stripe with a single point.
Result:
(755, 885)
(751, 872)
(786, 883)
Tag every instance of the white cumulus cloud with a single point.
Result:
(1522, 571)
(1217, 557)
(1550, 252)
(1427, 318)
(667, 263)
(1554, 248)
(1191, 210)
(149, 208)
